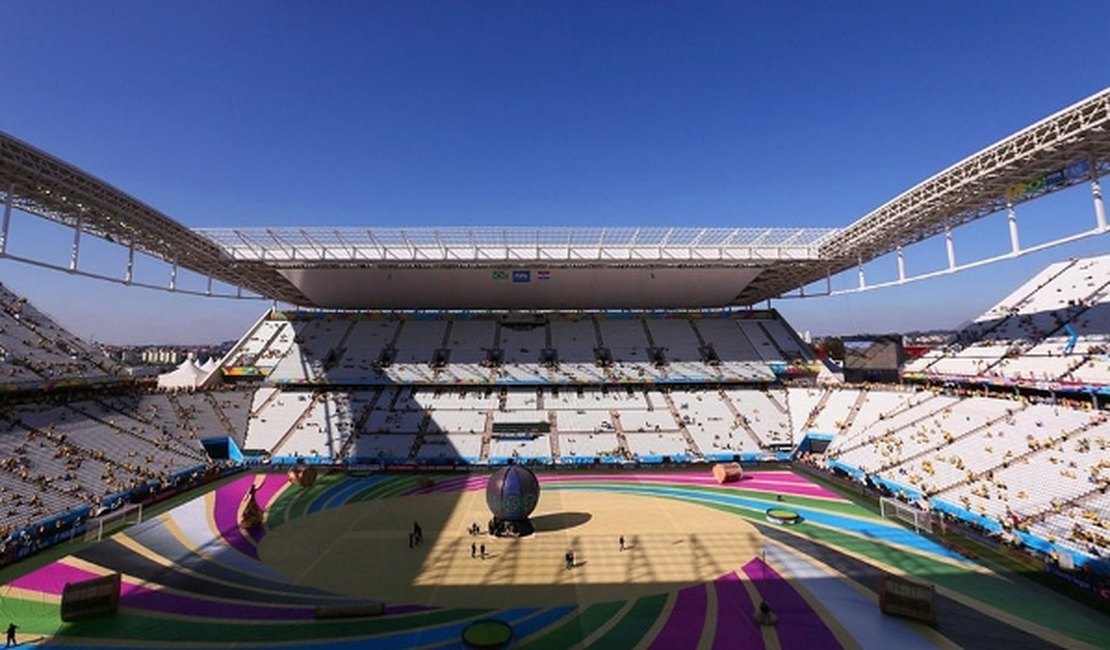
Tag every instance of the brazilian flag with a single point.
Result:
(500, 275)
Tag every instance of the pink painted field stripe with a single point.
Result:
(683, 627)
(52, 578)
(736, 627)
(226, 515)
(470, 483)
(803, 489)
(271, 485)
(160, 601)
(806, 629)
(460, 484)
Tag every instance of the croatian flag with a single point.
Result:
(543, 275)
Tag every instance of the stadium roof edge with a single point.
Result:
(45, 186)
(1069, 147)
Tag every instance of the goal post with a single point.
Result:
(894, 509)
(110, 522)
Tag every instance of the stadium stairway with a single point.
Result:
(745, 424)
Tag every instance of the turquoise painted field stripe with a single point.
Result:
(889, 533)
(338, 494)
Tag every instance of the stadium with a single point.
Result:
(695, 458)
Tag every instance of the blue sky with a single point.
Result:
(537, 113)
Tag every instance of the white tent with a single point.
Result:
(187, 375)
(210, 372)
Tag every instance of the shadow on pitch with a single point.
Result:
(559, 521)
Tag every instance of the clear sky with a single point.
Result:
(536, 114)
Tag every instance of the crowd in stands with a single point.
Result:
(75, 439)
(33, 348)
(620, 424)
(453, 349)
(1054, 328)
(1032, 464)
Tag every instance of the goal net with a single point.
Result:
(110, 522)
(894, 509)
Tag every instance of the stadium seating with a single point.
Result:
(591, 389)
(35, 349)
(1054, 328)
(461, 348)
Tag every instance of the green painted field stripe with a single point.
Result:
(1040, 606)
(837, 507)
(281, 511)
(407, 483)
(135, 626)
(307, 496)
(391, 488)
(631, 629)
(577, 628)
(276, 511)
(33, 617)
(377, 490)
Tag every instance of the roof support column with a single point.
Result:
(173, 276)
(949, 246)
(129, 274)
(901, 264)
(209, 290)
(1096, 190)
(862, 281)
(76, 250)
(7, 223)
(1015, 241)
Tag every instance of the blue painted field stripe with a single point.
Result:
(338, 494)
(441, 634)
(873, 530)
(320, 501)
(540, 621)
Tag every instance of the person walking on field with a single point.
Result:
(622, 542)
(12, 627)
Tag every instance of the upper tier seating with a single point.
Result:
(34, 348)
(1054, 328)
(453, 349)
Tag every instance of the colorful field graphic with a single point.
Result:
(698, 559)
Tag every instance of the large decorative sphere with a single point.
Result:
(512, 493)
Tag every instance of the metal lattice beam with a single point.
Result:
(45, 186)
(1065, 149)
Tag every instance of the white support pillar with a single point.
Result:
(1096, 190)
(862, 281)
(901, 264)
(950, 247)
(76, 250)
(130, 274)
(209, 290)
(173, 276)
(1015, 241)
(6, 225)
